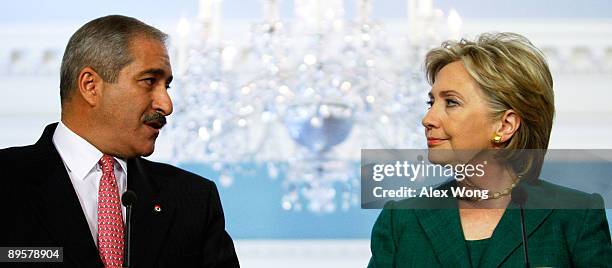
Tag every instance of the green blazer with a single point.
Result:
(407, 237)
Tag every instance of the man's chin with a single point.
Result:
(145, 154)
(145, 150)
(148, 151)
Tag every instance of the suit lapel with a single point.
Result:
(57, 204)
(149, 227)
(443, 229)
(440, 221)
(507, 235)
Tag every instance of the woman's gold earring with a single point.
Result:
(496, 139)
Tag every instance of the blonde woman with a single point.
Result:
(494, 93)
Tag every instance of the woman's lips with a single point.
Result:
(434, 142)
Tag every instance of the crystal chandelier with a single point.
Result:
(302, 97)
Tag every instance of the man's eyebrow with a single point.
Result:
(153, 71)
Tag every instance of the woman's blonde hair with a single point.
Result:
(513, 74)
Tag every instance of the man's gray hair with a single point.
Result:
(102, 44)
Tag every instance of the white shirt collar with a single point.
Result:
(79, 156)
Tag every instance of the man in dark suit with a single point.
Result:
(64, 191)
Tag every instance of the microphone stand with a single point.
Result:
(519, 197)
(524, 234)
(128, 231)
(128, 199)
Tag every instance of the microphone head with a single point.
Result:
(519, 195)
(128, 198)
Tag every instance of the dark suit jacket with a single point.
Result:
(42, 209)
(407, 237)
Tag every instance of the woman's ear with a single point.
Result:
(89, 85)
(510, 123)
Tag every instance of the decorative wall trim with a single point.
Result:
(572, 46)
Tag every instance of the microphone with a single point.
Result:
(519, 197)
(127, 199)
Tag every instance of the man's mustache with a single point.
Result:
(155, 119)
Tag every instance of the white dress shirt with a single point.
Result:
(81, 161)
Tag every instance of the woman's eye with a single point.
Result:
(451, 103)
(429, 103)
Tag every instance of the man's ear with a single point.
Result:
(510, 123)
(90, 86)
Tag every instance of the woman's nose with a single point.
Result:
(430, 120)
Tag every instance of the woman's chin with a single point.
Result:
(440, 157)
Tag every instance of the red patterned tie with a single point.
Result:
(110, 221)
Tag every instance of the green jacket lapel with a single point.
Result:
(443, 229)
(507, 235)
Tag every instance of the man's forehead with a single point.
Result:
(151, 56)
(148, 45)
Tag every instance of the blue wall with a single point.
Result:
(253, 210)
